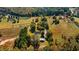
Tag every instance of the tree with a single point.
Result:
(28, 40)
(32, 26)
(1, 16)
(17, 19)
(42, 34)
(0, 35)
(44, 19)
(35, 43)
(77, 24)
(56, 21)
(60, 18)
(77, 38)
(72, 19)
(49, 38)
(75, 48)
(54, 17)
(36, 20)
(14, 21)
(44, 25)
(0, 20)
(47, 48)
(24, 40)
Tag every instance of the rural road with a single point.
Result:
(7, 40)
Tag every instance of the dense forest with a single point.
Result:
(32, 11)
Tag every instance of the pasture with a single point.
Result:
(9, 30)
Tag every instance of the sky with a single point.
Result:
(39, 3)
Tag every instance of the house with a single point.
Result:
(42, 39)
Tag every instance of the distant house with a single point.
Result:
(74, 11)
(11, 17)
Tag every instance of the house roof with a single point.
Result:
(37, 32)
(43, 39)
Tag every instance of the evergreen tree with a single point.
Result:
(32, 26)
(24, 40)
(49, 38)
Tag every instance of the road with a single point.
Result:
(7, 40)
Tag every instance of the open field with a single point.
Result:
(9, 31)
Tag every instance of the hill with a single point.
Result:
(32, 11)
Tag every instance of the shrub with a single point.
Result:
(54, 17)
(0, 35)
(17, 21)
(44, 25)
(42, 34)
(49, 38)
(56, 21)
(36, 20)
(72, 19)
(47, 48)
(77, 38)
(35, 43)
(32, 27)
(75, 48)
(44, 19)
(14, 21)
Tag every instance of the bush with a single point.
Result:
(14, 21)
(32, 27)
(42, 34)
(35, 43)
(44, 19)
(60, 18)
(0, 20)
(28, 40)
(49, 38)
(54, 17)
(0, 35)
(75, 48)
(77, 24)
(47, 48)
(77, 38)
(44, 25)
(17, 21)
(72, 19)
(56, 21)
(36, 20)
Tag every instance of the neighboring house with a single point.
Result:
(11, 17)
